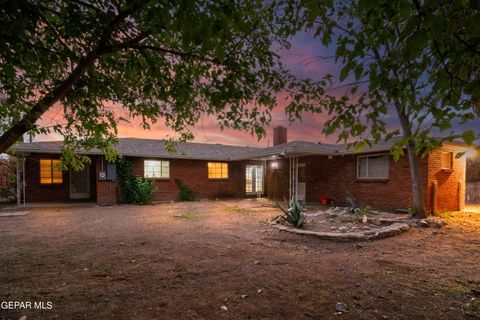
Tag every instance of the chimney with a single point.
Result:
(279, 135)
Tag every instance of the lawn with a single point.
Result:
(187, 260)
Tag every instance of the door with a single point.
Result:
(301, 186)
(80, 183)
(254, 180)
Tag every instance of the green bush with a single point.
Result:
(135, 190)
(185, 194)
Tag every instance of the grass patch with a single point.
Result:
(461, 217)
(189, 216)
(237, 210)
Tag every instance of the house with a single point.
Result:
(306, 170)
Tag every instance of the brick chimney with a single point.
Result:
(279, 135)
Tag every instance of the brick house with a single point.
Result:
(307, 170)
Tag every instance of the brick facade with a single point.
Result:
(37, 192)
(333, 177)
(323, 176)
(194, 174)
(450, 184)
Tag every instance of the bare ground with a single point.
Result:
(186, 260)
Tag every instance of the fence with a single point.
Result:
(472, 192)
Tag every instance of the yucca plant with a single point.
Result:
(293, 214)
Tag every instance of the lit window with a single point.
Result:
(446, 160)
(156, 169)
(50, 171)
(373, 167)
(217, 170)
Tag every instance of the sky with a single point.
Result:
(303, 59)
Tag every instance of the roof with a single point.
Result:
(314, 148)
(135, 147)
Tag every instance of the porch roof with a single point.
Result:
(302, 148)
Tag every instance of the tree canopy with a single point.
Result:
(173, 60)
(417, 57)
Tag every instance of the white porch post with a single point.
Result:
(293, 177)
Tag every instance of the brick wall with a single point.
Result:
(332, 177)
(450, 183)
(107, 190)
(37, 192)
(194, 174)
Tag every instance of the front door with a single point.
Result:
(80, 184)
(254, 179)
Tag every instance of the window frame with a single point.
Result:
(52, 170)
(221, 170)
(367, 171)
(161, 177)
(450, 153)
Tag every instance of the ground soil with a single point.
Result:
(187, 260)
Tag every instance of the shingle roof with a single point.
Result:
(136, 147)
(148, 148)
(314, 148)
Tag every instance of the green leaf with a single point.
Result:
(469, 137)
(415, 43)
(220, 53)
(344, 73)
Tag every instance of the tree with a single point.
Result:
(173, 60)
(394, 61)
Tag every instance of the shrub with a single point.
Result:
(185, 194)
(294, 215)
(135, 190)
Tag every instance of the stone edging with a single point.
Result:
(389, 231)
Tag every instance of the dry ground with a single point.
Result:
(186, 260)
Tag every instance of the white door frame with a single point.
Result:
(254, 179)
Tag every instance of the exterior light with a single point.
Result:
(274, 165)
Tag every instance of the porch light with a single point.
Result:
(274, 165)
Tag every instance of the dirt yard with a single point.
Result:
(187, 260)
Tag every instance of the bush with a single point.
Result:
(135, 190)
(293, 214)
(185, 194)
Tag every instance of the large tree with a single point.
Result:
(170, 60)
(413, 61)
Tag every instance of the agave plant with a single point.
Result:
(294, 215)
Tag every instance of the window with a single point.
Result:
(217, 170)
(156, 169)
(50, 171)
(373, 167)
(446, 160)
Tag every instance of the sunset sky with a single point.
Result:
(302, 59)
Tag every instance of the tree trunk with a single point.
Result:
(418, 204)
(418, 200)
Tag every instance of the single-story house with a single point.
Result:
(307, 170)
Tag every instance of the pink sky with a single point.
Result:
(302, 59)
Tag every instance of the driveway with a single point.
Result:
(220, 260)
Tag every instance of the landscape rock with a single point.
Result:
(341, 307)
(431, 223)
(224, 308)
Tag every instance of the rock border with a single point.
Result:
(388, 231)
